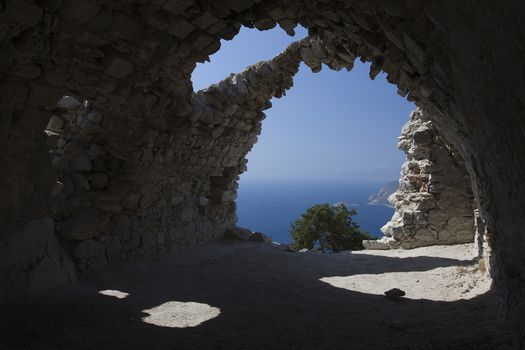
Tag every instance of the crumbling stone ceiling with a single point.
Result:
(460, 61)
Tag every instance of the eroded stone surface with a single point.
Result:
(434, 200)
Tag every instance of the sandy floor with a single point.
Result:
(231, 295)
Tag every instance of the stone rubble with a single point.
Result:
(244, 234)
(395, 294)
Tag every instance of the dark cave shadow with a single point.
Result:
(276, 303)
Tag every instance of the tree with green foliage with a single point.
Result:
(328, 228)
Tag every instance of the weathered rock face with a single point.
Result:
(434, 201)
(460, 63)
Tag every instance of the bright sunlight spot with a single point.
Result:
(177, 314)
(452, 283)
(114, 293)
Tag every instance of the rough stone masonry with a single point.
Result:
(434, 201)
(461, 62)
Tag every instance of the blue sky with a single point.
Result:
(331, 126)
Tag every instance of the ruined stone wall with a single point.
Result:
(114, 201)
(460, 61)
(434, 201)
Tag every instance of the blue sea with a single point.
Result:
(271, 207)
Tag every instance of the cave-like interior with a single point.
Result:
(142, 165)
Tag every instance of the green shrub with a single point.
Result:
(328, 228)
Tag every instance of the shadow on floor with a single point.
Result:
(268, 299)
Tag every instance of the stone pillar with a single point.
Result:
(434, 202)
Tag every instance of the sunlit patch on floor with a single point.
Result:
(176, 314)
(114, 293)
(441, 284)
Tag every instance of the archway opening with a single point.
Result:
(423, 185)
(331, 139)
(331, 117)
(329, 166)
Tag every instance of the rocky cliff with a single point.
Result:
(381, 197)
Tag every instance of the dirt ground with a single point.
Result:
(233, 295)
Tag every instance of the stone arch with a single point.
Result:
(133, 59)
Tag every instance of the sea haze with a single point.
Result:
(271, 206)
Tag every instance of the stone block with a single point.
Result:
(201, 41)
(180, 28)
(82, 184)
(238, 5)
(217, 27)
(414, 49)
(112, 246)
(89, 249)
(52, 140)
(69, 103)
(239, 233)
(408, 217)
(55, 124)
(177, 7)
(187, 214)
(203, 201)
(59, 163)
(13, 92)
(118, 68)
(96, 150)
(423, 137)
(23, 12)
(94, 117)
(264, 23)
(83, 226)
(204, 21)
(420, 218)
(126, 27)
(230, 32)
(99, 181)
(228, 196)
(130, 244)
(26, 71)
(81, 162)
(107, 203)
(259, 237)
(42, 96)
(176, 200)
(131, 202)
(7, 59)
(80, 10)
(384, 243)
(148, 240)
(277, 13)
(288, 26)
